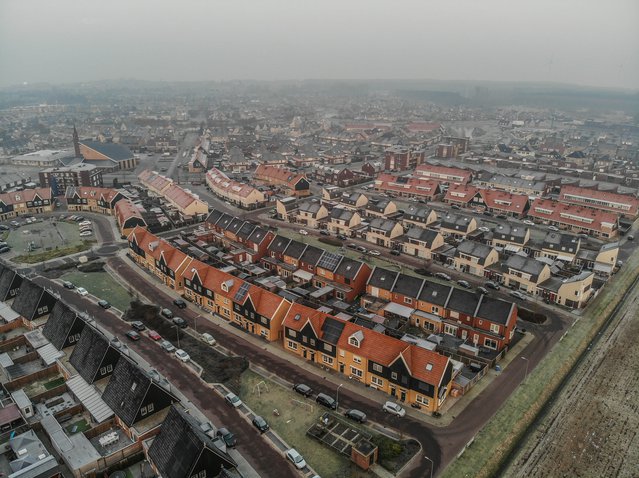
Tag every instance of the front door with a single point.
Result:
(402, 395)
(304, 353)
(341, 368)
(393, 392)
(312, 356)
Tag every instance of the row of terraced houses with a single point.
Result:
(410, 371)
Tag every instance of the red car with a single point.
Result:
(133, 335)
(153, 335)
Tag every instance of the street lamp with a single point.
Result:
(432, 465)
(195, 323)
(526, 373)
(177, 329)
(337, 396)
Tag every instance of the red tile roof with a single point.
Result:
(607, 201)
(505, 201)
(86, 192)
(277, 175)
(460, 193)
(221, 184)
(426, 365)
(443, 173)
(572, 215)
(125, 210)
(407, 185)
(20, 197)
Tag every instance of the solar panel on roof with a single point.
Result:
(329, 261)
(241, 293)
(332, 330)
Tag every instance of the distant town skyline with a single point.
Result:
(583, 42)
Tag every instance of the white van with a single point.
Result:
(208, 338)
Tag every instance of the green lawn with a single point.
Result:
(293, 422)
(80, 427)
(54, 383)
(101, 285)
(493, 443)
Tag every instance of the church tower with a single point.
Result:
(76, 143)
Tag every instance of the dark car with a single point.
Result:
(424, 272)
(137, 325)
(487, 213)
(455, 206)
(342, 237)
(180, 322)
(4, 227)
(303, 389)
(180, 303)
(68, 285)
(502, 216)
(325, 400)
(464, 284)
(356, 415)
(227, 437)
(325, 233)
(133, 335)
(482, 290)
(166, 313)
(4, 249)
(351, 246)
(260, 424)
(492, 285)
(104, 304)
(395, 252)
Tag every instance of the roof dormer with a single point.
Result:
(356, 339)
(227, 285)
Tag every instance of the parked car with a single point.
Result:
(341, 236)
(374, 252)
(455, 206)
(395, 252)
(303, 232)
(208, 338)
(133, 335)
(104, 304)
(528, 222)
(180, 322)
(86, 233)
(492, 285)
(324, 232)
(303, 389)
(4, 249)
(68, 285)
(442, 275)
(182, 355)
(326, 401)
(296, 458)
(167, 346)
(483, 229)
(356, 415)
(137, 325)
(84, 223)
(153, 335)
(82, 291)
(361, 248)
(464, 284)
(227, 437)
(4, 227)
(487, 213)
(166, 313)
(394, 408)
(482, 290)
(351, 246)
(233, 400)
(260, 424)
(181, 304)
(553, 228)
(631, 238)
(502, 216)
(424, 272)
(517, 295)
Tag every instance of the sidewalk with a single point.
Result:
(455, 407)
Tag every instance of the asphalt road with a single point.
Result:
(261, 456)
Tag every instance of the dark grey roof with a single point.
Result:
(410, 286)
(378, 204)
(311, 255)
(506, 232)
(417, 214)
(235, 225)
(561, 242)
(114, 151)
(127, 391)
(6, 279)
(180, 445)
(258, 235)
(329, 261)
(526, 264)
(351, 199)
(463, 301)
(435, 293)
(475, 249)
(279, 244)
(89, 353)
(348, 268)
(382, 278)
(246, 230)
(494, 310)
(30, 298)
(341, 213)
(455, 222)
(59, 324)
(214, 216)
(382, 225)
(309, 206)
(423, 235)
(224, 221)
(295, 249)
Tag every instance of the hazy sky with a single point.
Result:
(590, 42)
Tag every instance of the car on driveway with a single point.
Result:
(518, 295)
(133, 335)
(394, 408)
(182, 355)
(137, 325)
(303, 389)
(227, 437)
(68, 285)
(167, 346)
(153, 335)
(233, 400)
(180, 303)
(464, 284)
(356, 415)
(82, 291)
(296, 458)
(395, 252)
(260, 424)
(492, 285)
(104, 304)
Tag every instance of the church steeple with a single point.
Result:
(76, 142)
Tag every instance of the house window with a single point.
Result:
(103, 370)
(377, 368)
(490, 343)
(435, 310)
(423, 400)
(291, 345)
(377, 381)
(292, 333)
(340, 295)
(264, 333)
(134, 385)
(313, 342)
(494, 328)
(450, 329)
(353, 341)
(408, 300)
(357, 359)
(327, 360)
(341, 353)
(356, 372)
(394, 375)
(454, 314)
(328, 347)
(150, 407)
(109, 368)
(143, 411)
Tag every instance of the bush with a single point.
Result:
(530, 316)
(333, 241)
(389, 449)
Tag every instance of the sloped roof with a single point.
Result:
(59, 324)
(113, 151)
(89, 352)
